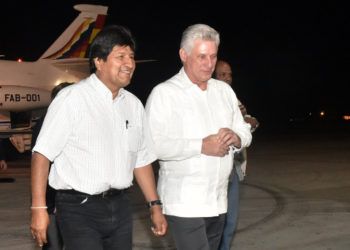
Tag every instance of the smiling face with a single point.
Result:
(116, 72)
(199, 64)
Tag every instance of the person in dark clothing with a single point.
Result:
(3, 163)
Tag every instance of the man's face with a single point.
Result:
(223, 72)
(200, 63)
(116, 72)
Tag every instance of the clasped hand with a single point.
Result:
(219, 144)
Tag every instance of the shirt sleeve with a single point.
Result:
(56, 127)
(146, 154)
(240, 127)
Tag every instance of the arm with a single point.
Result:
(248, 118)
(18, 142)
(235, 133)
(3, 165)
(40, 217)
(145, 178)
(164, 127)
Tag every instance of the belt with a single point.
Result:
(108, 193)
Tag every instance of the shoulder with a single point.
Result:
(163, 93)
(170, 87)
(131, 97)
(223, 89)
(74, 91)
(221, 85)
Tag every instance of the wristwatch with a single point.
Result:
(154, 203)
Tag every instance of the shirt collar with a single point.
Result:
(102, 89)
(186, 83)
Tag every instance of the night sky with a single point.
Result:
(288, 59)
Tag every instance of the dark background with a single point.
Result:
(290, 59)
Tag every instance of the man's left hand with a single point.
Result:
(159, 223)
(230, 138)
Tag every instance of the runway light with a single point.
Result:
(19, 60)
(346, 117)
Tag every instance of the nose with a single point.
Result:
(129, 62)
(211, 62)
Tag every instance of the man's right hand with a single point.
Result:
(211, 145)
(38, 227)
(3, 165)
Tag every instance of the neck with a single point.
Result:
(202, 86)
(115, 92)
(110, 86)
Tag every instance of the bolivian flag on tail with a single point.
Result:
(75, 40)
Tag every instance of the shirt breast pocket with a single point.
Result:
(225, 119)
(133, 138)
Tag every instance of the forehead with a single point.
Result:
(122, 49)
(204, 47)
(222, 66)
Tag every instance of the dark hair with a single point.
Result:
(58, 88)
(105, 41)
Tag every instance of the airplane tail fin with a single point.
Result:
(75, 40)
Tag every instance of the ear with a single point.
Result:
(183, 55)
(98, 63)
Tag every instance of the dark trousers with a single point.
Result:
(203, 233)
(94, 222)
(54, 238)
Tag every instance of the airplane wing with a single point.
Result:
(15, 131)
(79, 67)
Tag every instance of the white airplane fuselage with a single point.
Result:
(17, 91)
(25, 87)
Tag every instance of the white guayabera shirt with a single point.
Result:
(180, 115)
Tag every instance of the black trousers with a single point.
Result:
(203, 233)
(54, 238)
(94, 222)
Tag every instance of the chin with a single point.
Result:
(125, 84)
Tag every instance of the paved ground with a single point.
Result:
(296, 196)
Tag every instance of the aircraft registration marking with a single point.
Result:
(19, 97)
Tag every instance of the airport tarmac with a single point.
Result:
(296, 196)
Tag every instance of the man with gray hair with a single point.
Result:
(196, 126)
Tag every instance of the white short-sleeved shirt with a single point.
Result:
(95, 142)
(180, 115)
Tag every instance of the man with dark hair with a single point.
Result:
(95, 133)
(223, 72)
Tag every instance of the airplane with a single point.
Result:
(25, 87)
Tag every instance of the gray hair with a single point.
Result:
(198, 31)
